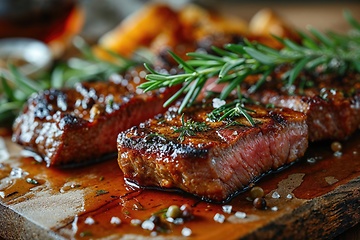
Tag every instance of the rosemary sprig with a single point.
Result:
(88, 66)
(231, 110)
(16, 88)
(233, 64)
(190, 128)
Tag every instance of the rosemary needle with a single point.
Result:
(236, 62)
(189, 128)
(15, 88)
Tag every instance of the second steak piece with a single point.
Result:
(213, 161)
(331, 103)
(80, 125)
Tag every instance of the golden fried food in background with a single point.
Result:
(266, 23)
(140, 29)
(159, 27)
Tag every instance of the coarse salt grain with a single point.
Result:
(148, 225)
(289, 196)
(115, 220)
(275, 195)
(135, 222)
(186, 232)
(89, 221)
(227, 208)
(217, 102)
(240, 215)
(18, 173)
(2, 194)
(219, 218)
(178, 221)
(275, 208)
(311, 160)
(337, 154)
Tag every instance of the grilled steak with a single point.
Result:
(216, 163)
(332, 105)
(81, 124)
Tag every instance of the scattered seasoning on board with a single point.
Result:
(275, 195)
(259, 203)
(162, 220)
(275, 208)
(32, 181)
(173, 212)
(240, 215)
(227, 208)
(256, 192)
(148, 225)
(101, 192)
(89, 221)
(115, 221)
(85, 234)
(220, 218)
(186, 232)
(336, 146)
(311, 160)
(135, 222)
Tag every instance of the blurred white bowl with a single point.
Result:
(30, 56)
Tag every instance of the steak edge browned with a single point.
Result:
(79, 125)
(214, 164)
(332, 104)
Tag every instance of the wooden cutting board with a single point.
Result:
(318, 197)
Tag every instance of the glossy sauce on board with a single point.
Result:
(82, 202)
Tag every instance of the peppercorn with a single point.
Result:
(155, 219)
(187, 210)
(256, 192)
(173, 212)
(259, 203)
(336, 146)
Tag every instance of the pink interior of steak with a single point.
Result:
(216, 163)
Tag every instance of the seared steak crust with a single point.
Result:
(332, 104)
(213, 164)
(81, 124)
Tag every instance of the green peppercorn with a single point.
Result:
(256, 192)
(173, 212)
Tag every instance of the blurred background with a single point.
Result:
(323, 15)
(57, 21)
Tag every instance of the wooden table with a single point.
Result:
(319, 198)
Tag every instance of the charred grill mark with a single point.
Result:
(278, 117)
(71, 126)
(214, 164)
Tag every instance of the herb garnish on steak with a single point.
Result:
(316, 52)
(218, 161)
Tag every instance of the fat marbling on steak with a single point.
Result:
(81, 124)
(214, 164)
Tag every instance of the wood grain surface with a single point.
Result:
(324, 202)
